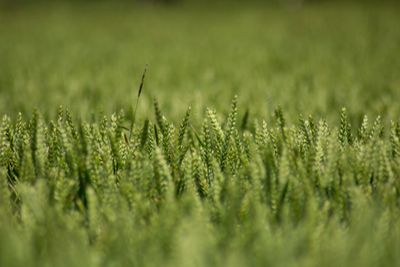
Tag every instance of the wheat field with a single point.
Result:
(237, 135)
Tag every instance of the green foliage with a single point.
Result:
(225, 195)
(163, 184)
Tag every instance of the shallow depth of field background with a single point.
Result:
(310, 57)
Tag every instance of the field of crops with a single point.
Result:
(261, 135)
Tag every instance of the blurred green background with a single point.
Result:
(307, 56)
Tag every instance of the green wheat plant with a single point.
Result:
(220, 194)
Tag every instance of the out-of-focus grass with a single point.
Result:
(313, 59)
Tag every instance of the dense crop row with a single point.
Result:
(237, 192)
